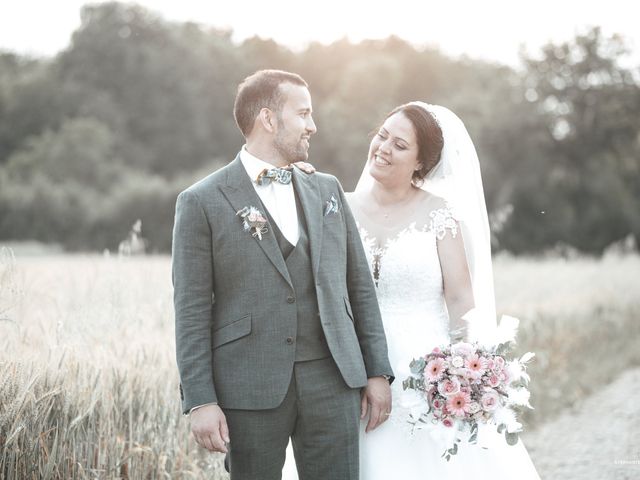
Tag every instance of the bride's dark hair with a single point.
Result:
(428, 135)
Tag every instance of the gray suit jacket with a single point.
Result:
(235, 309)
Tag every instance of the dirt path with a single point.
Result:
(599, 439)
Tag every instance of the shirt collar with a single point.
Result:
(252, 164)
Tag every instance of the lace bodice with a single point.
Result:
(406, 270)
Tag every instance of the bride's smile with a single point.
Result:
(393, 153)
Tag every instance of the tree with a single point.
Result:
(587, 187)
(173, 85)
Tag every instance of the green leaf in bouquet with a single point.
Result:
(417, 366)
(473, 438)
(501, 428)
(503, 348)
(408, 383)
(511, 438)
(520, 384)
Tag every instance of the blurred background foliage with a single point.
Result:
(136, 108)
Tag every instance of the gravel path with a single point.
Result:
(598, 439)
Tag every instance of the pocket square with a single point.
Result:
(331, 206)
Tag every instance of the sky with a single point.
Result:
(488, 29)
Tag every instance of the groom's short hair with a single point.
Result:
(260, 90)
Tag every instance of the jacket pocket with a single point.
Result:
(235, 330)
(348, 307)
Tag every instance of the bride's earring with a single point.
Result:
(417, 182)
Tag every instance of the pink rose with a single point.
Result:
(447, 422)
(449, 387)
(494, 380)
(490, 401)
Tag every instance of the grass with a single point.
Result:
(581, 319)
(88, 384)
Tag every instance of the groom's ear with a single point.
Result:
(268, 120)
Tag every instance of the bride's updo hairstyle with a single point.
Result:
(429, 136)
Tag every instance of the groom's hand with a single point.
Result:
(376, 398)
(209, 427)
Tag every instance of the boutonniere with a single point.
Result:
(331, 206)
(254, 221)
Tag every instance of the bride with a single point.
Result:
(423, 222)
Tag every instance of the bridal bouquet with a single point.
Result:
(467, 384)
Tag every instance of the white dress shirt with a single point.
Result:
(278, 199)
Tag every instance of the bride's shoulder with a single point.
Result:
(440, 217)
(430, 202)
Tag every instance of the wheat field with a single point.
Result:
(88, 383)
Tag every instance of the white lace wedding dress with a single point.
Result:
(409, 283)
(406, 270)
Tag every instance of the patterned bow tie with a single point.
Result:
(268, 175)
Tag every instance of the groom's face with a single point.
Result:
(295, 124)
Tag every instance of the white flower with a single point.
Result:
(506, 416)
(462, 348)
(527, 357)
(457, 361)
(514, 370)
(507, 329)
(519, 396)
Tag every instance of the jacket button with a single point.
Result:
(289, 340)
(291, 299)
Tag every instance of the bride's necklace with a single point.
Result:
(396, 210)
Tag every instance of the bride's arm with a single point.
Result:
(458, 290)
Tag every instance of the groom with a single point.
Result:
(277, 325)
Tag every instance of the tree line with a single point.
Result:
(137, 107)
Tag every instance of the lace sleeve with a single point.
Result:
(443, 219)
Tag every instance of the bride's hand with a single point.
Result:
(458, 335)
(305, 167)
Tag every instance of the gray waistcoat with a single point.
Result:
(310, 340)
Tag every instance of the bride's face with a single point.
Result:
(393, 153)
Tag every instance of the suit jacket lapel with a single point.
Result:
(240, 193)
(309, 194)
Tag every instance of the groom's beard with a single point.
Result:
(289, 151)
